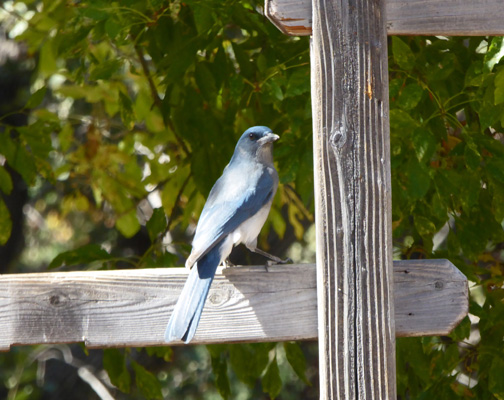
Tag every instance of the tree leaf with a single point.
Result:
(128, 224)
(462, 330)
(205, 81)
(148, 385)
(297, 360)
(299, 82)
(219, 368)
(271, 381)
(203, 18)
(472, 156)
(83, 255)
(495, 381)
(499, 87)
(424, 144)
(498, 201)
(156, 224)
(36, 98)
(114, 362)
(401, 122)
(47, 59)
(112, 27)
(425, 227)
(104, 70)
(495, 166)
(249, 361)
(5, 181)
(403, 55)
(418, 180)
(494, 54)
(38, 138)
(410, 96)
(5, 222)
(18, 158)
(166, 353)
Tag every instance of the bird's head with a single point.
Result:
(257, 142)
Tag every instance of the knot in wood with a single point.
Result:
(218, 297)
(439, 285)
(57, 299)
(337, 138)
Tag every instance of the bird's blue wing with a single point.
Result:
(232, 201)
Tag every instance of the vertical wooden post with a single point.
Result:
(353, 203)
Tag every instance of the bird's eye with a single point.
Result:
(251, 136)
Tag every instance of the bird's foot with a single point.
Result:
(270, 263)
(272, 259)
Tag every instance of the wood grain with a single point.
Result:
(405, 17)
(132, 307)
(353, 200)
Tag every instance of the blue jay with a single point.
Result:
(234, 213)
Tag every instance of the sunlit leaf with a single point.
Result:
(495, 53)
(128, 224)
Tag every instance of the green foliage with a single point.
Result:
(447, 145)
(137, 99)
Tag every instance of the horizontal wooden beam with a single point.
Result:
(246, 304)
(405, 17)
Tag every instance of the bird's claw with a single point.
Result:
(270, 263)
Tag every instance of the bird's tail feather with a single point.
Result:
(187, 312)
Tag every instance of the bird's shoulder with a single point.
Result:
(238, 182)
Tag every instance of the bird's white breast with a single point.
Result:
(246, 233)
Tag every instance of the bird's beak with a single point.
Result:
(268, 138)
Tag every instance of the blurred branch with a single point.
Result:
(157, 100)
(177, 199)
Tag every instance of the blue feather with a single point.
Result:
(187, 312)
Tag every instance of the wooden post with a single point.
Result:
(353, 204)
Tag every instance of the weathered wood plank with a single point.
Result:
(131, 307)
(405, 17)
(353, 212)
